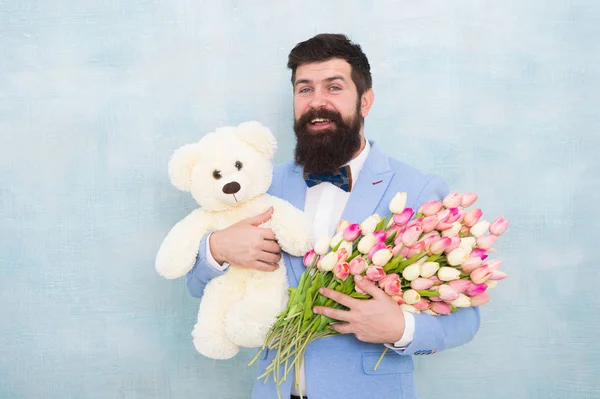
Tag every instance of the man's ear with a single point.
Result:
(258, 136)
(181, 165)
(366, 101)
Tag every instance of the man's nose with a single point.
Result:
(318, 100)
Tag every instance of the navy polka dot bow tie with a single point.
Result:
(342, 178)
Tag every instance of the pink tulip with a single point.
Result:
(479, 252)
(439, 246)
(472, 217)
(429, 223)
(404, 217)
(468, 199)
(404, 252)
(357, 265)
(430, 207)
(453, 245)
(421, 284)
(414, 222)
(460, 286)
(452, 200)
(476, 289)
(480, 299)
(342, 254)
(471, 264)
(494, 264)
(499, 226)
(444, 220)
(455, 215)
(391, 286)
(375, 273)
(352, 232)
(436, 280)
(440, 308)
(447, 293)
(423, 304)
(416, 249)
(341, 270)
(480, 275)
(498, 275)
(309, 258)
(486, 242)
(374, 250)
(380, 236)
(411, 236)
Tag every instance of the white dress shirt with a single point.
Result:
(324, 205)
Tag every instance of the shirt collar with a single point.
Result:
(358, 162)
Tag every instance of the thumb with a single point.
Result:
(260, 219)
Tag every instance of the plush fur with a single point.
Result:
(239, 307)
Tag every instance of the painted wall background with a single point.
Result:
(498, 97)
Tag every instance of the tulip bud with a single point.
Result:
(322, 245)
(439, 246)
(494, 264)
(409, 308)
(352, 232)
(342, 226)
(448, 273)
(428, 269)
(309, 257)
(447, 293)
(429, 223)
(411, 297)
(392, 285)
(453, 245)
(398, 299)
(430, 207)
(498, 275)
(416, 249)
(381, 257)
(480, 253)
(357, 265)
(376, 248)
(480, 275)
(380, 236)
(441, 308)
(452, 200)
(403, 217)
(341, 270)
(375, 273)
(476, 289)
(471, 264)
(452, 231)
(421, 284)
(468, 199)
(472, 217)
(486, 242)
(336, 240)
(499, 226)
(411, 235)
(462, 301)
(342, 254)
(423, 304)
(366, 243)
(491, 284)
(480, 299)
(327, 262)
(467, 244)
(369, 224)
(411, 272)
(398, 203)
(480, 228)
(457, 257)
(460, 286)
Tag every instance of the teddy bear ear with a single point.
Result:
(258, 136)
(182, 163)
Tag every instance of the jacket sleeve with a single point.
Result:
(203, 271)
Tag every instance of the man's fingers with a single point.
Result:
(342, 328)
(270, 246)
(260, 219)
(267, 234)
(340, 298)
(368, 286)
(336, 314)
(262, 266)
(269, 257)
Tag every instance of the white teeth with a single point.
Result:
(317, 120)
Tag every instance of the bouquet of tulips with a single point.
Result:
(432, 261)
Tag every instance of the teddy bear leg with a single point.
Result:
(209, 334)
(248, 322)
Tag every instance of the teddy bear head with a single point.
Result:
(226, 167)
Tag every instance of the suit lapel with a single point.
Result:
(369, 188)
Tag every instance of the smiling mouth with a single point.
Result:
(318, 121)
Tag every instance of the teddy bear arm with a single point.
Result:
(292, 227)
(179, 250)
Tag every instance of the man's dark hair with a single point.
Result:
(327, 46)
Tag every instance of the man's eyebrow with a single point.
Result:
(331, 79)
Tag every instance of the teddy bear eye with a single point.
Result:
(238, 165)
(217, 174)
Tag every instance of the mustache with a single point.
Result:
(322, 113)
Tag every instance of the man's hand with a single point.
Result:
(376, 320)
(247, 245)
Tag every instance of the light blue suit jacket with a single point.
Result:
(342, 366)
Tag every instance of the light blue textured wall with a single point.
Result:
(498, 97)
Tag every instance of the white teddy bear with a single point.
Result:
(228, 172)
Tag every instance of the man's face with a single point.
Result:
(328, 116)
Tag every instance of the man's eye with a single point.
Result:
(217, 174)
(305, 90)
(238, 165)
(335, 88)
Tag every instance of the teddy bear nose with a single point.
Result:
(231, 188)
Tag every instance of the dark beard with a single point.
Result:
(324, 151)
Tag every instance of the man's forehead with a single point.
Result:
(317, 71)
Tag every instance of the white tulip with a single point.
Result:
(381, 257)
(347, 246)
(369, 224)
(336, 240)
(480, 228)
(366, 243)
(448, 273)
(322, 245)
(457, 257)
(342, 226)
(467, 244)
(430, 312)
(428, 269)
(462, 301)
(327, 263)
(409, 308)
(491, 284)
(411, 272)
(411, 297)
(398, 203)
(452, 231)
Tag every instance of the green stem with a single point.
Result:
(380, 359)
